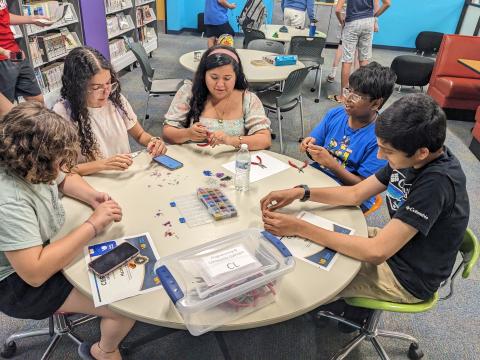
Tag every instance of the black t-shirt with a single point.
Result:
(434, 201)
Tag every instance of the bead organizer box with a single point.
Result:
(217, 203)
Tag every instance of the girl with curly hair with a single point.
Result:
(92, 99)
(37, 148)
(218, 108)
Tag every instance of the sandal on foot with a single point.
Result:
(335, 98)
(84, 351)
(330, 78)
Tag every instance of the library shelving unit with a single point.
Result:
(46, 47)
(147, 25)
(135, 20)
(120, 24)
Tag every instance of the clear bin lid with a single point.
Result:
(222, 269)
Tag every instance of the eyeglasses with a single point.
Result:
(98, 89)
(348, 94)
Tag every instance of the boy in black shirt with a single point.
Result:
(407, 260)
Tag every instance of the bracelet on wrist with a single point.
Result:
(153, 138)
(93, 227)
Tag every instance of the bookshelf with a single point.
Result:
(46, 47)
(147, 25)
(134, 19)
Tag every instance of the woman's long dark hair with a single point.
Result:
(81, 64)
(199, 88)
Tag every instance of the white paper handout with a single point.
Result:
(269, 166)
(311, 252)
(134, 278)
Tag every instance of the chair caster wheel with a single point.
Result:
(9, 350)
(414, 352)
(317, 101)
(147, 117)
(312, 89)
(274, 136)
(300, 139)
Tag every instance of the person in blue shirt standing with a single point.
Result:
(216, 19)
(344, 145)
(294, 12)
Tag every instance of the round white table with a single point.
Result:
(270, 29)
(254, 73)
(141, 198)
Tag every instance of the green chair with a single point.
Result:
(470, 250)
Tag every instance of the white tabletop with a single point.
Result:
(141, 198)
(254, 74)
(270, 29)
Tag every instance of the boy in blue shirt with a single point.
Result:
(294, 12)
(344, 145)
(216, 19)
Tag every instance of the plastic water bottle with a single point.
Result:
(312, 29)
(242, 169)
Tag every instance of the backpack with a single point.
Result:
(252, 15)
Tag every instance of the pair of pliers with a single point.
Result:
(300, 169)
(259, 162)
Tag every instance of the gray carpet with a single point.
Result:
(450, 331)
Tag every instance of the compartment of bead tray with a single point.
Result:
(217, 203)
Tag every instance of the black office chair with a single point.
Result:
(412, 70)
(309, 51)
(251, 34)
(428, 42)
(59, 325)
(153, 87)
(286, 100)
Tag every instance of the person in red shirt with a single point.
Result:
(16, 77)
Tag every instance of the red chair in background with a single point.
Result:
(475, 144)
(452, 84)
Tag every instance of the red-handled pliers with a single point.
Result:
(259, 162)
(300, 169)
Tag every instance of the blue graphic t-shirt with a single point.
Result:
(355, 149)
(215, 14)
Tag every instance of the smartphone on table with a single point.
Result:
(113, 259)
(168, 162)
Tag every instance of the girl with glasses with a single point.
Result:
(92, 99)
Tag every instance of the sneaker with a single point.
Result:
(331, 78)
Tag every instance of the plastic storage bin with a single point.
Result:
(223, 280)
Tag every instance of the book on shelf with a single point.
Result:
(117, 23)
(53, 45)
(118, 48)
(147, 34)
(144, 15)
(114, 5)
(49, 78)
(36, 52)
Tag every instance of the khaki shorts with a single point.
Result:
(294, 17)
(378, 282)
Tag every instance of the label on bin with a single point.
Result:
(236, 258)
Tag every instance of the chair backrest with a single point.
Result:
(272, 46)
(251, 34)
(456, 47)
(470, 252)
(142, 57)
(292, 89)
(428, 41)
(307, 47)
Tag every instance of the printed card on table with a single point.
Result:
(134, 278)
(265, 166)
(310, 252)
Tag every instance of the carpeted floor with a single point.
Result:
(451, 331)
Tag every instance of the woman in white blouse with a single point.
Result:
(92, 99)
(217, 108)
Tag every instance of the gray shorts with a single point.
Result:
(357, 34)
(17, 79)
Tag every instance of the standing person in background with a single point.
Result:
(216, 19)
(294, 12)
(358, 27)
(16, 77)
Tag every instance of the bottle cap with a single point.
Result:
(244, 146)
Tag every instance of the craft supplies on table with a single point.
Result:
(225, 279)
(216, 203)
